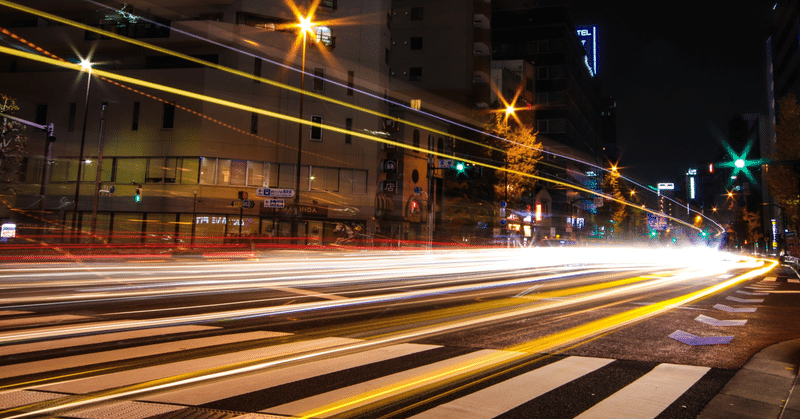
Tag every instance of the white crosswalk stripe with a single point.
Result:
(509, 394)
(648, 396)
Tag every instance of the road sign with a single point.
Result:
(657, 222)
(275, 193)
(274, 203)
(445, 163)
(236, 203)
(248, 204)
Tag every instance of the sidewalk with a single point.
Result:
(765, 388)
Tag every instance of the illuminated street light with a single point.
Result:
(306, 27)
(86, 66)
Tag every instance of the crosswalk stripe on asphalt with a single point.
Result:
(500, 398)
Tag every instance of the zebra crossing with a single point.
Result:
(323, 386)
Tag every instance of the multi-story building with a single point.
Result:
(187, 158)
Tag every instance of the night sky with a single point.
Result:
(674, 68)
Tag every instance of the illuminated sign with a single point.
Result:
(692, 172)
(538, 211)
(588, 37)
(666, 186)
(691, 188)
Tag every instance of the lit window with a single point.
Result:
(324, 36)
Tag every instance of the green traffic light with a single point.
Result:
(460, 166)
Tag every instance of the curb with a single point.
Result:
(763, 388)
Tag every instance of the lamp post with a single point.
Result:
(86, 66)
(306, 27)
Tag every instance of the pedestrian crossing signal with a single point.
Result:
(138, 197)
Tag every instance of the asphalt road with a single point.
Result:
(557, 333)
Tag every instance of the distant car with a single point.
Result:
(557, 243)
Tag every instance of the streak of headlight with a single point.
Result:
(49, 16)
(394, 103)
(321, 97)
(537, 346)
(550, 342)
(271, 114)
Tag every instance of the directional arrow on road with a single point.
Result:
(714, 322)
(730, 309)
(751, 293)
(692, 340)
(745, 300)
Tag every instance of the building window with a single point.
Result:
(253, 123)
(415, 73)
(415, 139)
(208, 170)
(41, 114)
(351, 75)
(319, 79)
(316, 130)
(257, 69)
(386, 56)
(348, 125)
(543, 99)
(73, 108)
(542, 73)
(135, 119)
(325, 36)
(542, 126)
(558, 125)
(416, 13)
(416, 43)
(168, 118)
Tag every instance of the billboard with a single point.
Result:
(588, 37)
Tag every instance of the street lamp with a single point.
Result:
(86, 66)
(306, 27)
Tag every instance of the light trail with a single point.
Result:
(226, 103)
(368, 111)
(448, 321)
(535, 347)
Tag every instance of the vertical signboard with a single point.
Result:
(588, 37)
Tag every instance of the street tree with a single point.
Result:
(522, 153)
(13, 142)
(613, 212)
(783, 176)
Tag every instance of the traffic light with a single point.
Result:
(243, 195)
(138, 197)
(414, 207)
(461, 167)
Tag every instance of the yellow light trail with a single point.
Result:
(553, 341)
(547, 343)
(317, 96)
(56, 18)
(226, 103)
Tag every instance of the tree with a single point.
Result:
(612, 213)
(523, 152)
(783, 177)
(12, 145)
(747, 226)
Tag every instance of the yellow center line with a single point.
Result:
(524, 350)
